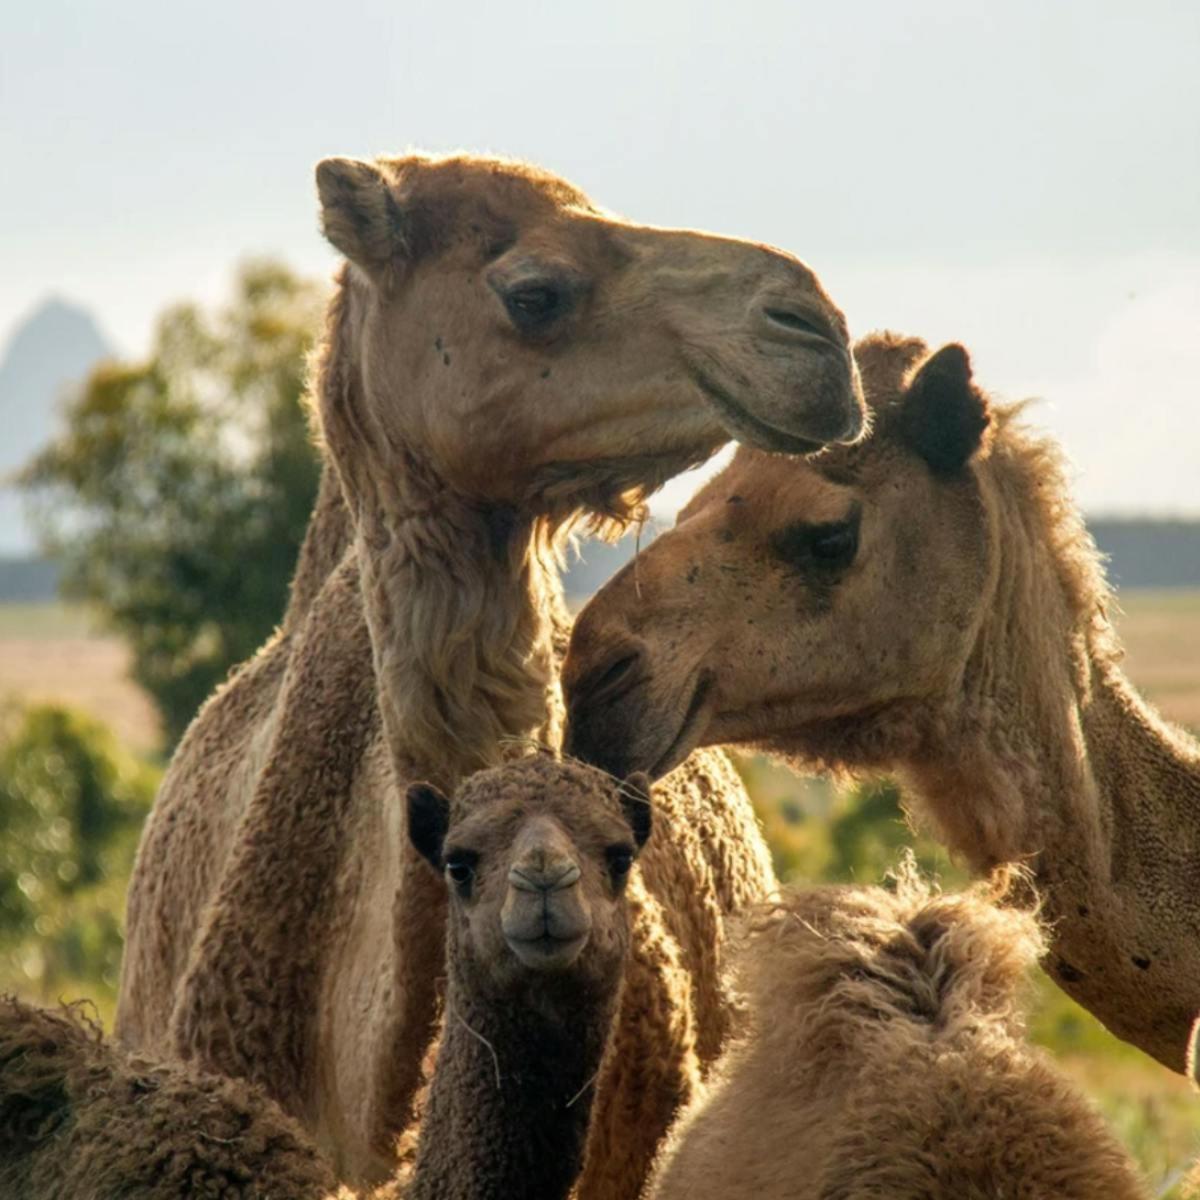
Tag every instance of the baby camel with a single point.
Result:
(537, 859)
(927, 603)
(885, 1058)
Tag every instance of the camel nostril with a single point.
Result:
(787, 318)
(555, 878)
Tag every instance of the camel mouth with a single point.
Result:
(752, 430)
(691, 730)
(546, 952)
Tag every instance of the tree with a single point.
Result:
(71, 803)
(177, 497)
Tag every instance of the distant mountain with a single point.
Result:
(54, 347)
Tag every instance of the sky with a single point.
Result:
(1023, 177)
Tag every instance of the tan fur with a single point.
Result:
(79, 1120)
(885, 1058)
(967, 647)
(279, 927)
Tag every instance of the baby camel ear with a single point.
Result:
(359, 213)
(943, 414)
(634, 791)
(428, 821)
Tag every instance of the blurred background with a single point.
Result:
(1024, 178)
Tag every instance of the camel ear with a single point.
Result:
(359, 213)
(428, 821)
(635, 802)
(943, 414)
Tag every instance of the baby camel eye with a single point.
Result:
(460, 868)
(620, 860)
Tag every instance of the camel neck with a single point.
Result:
(465, 612)
(1061, 764)
(511, 1096)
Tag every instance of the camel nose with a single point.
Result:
(544, 875)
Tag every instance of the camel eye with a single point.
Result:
(460, 868)
(819, 547)
(532, 307)
(620, 860)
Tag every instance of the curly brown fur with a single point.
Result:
(81, 1120)
(885, 1060)
(964, 643)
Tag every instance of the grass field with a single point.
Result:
(55, 652)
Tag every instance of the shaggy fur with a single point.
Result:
(885, 1060)
(962, 641)
(522, 1048)
(280, 929)
(81, 1121)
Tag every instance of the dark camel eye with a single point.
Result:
(620, 860)
(835, 546)
(826, 547)
(461, 870)
(535, 306)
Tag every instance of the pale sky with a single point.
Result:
(1024, 177)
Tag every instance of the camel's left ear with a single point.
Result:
(428, 821)
(359, 213)
(943, 414)
(634, 791)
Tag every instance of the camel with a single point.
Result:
(80, 1119)
(536, 857)
(500, 357)
(885, 1057)
(927, 603)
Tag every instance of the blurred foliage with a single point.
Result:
(178, 495)
(71, 805)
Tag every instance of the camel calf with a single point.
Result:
(885, 1058)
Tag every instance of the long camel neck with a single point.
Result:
(511, 1095)
(464, 607)
(1056, 761)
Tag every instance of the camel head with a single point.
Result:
(534, 349)
(535, 855)
(801, 604)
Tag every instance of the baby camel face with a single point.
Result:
(796, 598)
(535, 855)
(516, 334)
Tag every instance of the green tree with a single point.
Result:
(177, 497)
(71, 803)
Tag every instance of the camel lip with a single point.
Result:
(753, 430)
(547, 952)
(695, 720)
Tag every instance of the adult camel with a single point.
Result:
(929, 603)
(500, 357)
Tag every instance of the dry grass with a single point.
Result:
(54, 653)
(1161, 633)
